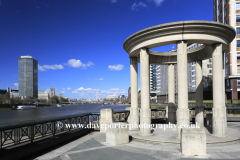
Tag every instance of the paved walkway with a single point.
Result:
(94, 147)
(168, 135)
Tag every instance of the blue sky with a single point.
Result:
(79, 43)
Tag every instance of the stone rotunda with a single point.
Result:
(215, 38)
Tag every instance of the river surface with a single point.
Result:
(9, 116)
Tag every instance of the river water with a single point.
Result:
(10, 116)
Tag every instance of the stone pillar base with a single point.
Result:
(218, 126)
(134, 119)
(182, 120)
(145, 122)
(199, 115)
(193, 142)
(219, 122)
(106, 117)
(117, 133)
(171, 113)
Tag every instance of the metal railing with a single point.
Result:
(30, 131)
(121, 116)
(158, 113)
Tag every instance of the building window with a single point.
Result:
(238, 18)
(238, 31)
(225, 12)
(227, 70)
(238, 43)
(209, 66)
(237, 6)
(238, 69)
(238, 56)
(220, 8)
(225, 2)
(226, 21)
(210, 71)
(209, 76)
(238, 81)
(210, 60)
(226, 58)
(228, 83)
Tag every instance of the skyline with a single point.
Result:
(79, 44)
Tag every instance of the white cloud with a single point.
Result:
(53, 67)
(116, 67)
(88, 89)
(89, 63)
(40, 68)
(104, 93)
(136, 6)
(114, 89)
(15, 85)
(68, 88)
(157, 2)
(63, 92)
(75, 91)
(113, 1)
(80, 89)
(77, 64)
(100, 79)
(74, 63)
(63, 88)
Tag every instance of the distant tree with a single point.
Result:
(36, 100)
(16, 100)
(27, 100)
(125, 100)
(54, 99)
(63, 99)
(6, 97)
(43, 100)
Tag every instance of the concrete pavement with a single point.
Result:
(93, 146)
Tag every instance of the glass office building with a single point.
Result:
(153, 78)
(28, 77)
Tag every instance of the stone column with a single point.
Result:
(171, 84)
(199, 109)
(134, 112)
(145, 112)
(106, 118)
(219, 110)
(224, 89)
(183, 111)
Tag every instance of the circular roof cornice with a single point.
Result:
(202, 32)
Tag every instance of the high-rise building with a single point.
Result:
(129, 94)
(153, 78)
(28, 77)
(52, 92)
(228, 12)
